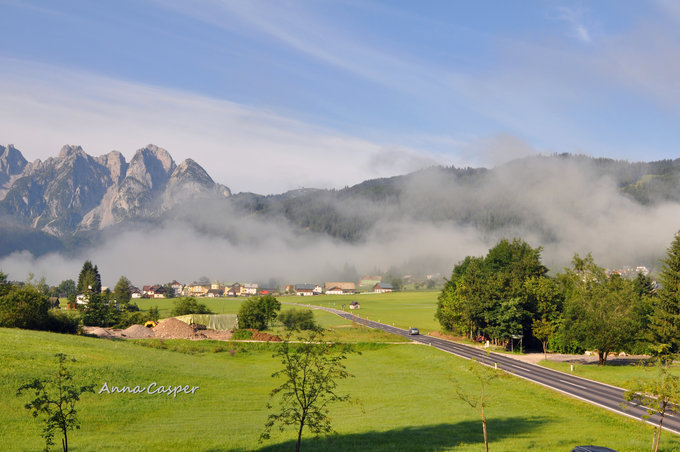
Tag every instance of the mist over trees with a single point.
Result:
(420, 223)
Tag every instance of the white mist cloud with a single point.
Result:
(265, 251)
(563, 205)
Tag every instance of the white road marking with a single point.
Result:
(573, 384)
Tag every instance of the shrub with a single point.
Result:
(154, 313)
(242, 335)
(59, 321)
(258, 312)
(131, 318)
(99, 312)
(24, 307)
(189, 305)
(297, 320)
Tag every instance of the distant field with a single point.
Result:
(407, 402)
(402, 309)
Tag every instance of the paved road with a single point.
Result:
(600, 394)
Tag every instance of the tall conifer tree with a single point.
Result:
(89, 279)
(665, 322)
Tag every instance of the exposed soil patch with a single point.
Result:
(169, 329)
(260, 336)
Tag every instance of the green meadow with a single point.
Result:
(400, 309)
(404, 400)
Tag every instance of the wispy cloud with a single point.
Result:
(244, 148)
(575, 19)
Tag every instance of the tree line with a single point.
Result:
(508, 294)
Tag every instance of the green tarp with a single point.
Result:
(212, 321)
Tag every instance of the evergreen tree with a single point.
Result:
(89, 279)
(665, 321)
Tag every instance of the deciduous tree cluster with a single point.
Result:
(508, 293)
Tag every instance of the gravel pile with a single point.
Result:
(137, 332)
(173, 329)
(98, 331)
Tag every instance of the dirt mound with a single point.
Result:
(173, 329)
(137, 332)
(98, 331)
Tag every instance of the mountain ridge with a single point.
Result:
(76, 192)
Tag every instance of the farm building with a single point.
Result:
(307, 289)
(340, 288)
(383, 288)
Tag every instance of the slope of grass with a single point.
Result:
(406, 401)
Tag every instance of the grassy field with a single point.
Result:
(402, 309)
(405, 393)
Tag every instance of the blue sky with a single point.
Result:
(274, 95)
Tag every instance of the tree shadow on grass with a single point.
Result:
(426, 437)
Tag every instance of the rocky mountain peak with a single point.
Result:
(75, 192)
(71, 151)
(115, 162)
(189, 169)
(12, 162)
(151, 166)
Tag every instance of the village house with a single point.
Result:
(340, 288)
(196, 290)
(135, 292)
(267, 291)
(304, 290)
(155, 291)
(234, 290)
(383, 288)
(212, 293)
(248, 290)
(177, 287)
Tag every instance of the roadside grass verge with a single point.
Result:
(406, 401)
(615, 374)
